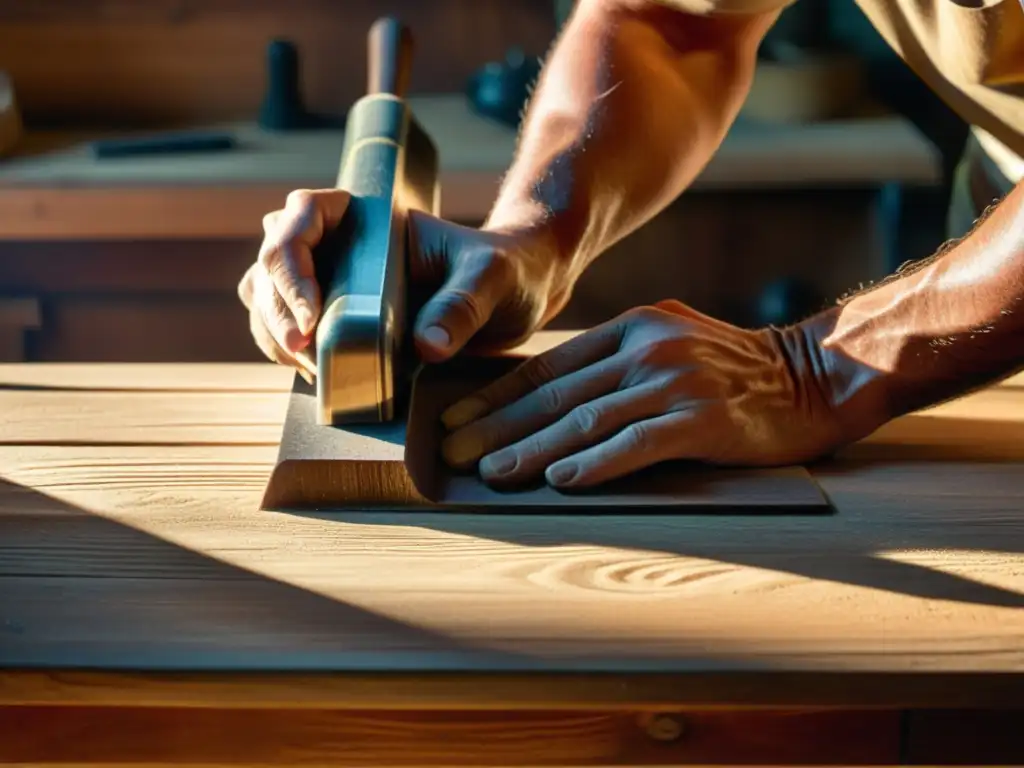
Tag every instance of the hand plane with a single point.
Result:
(390, 166)
(353, 419)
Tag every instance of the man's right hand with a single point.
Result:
(485, 289)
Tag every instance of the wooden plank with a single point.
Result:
(187, 403)
(517, 692)
(398, 466)
(158, 377)
(39, 407)
(70, 416)
(155, 557)
(173, 563)
(82, 736)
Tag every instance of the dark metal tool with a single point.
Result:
(355, 415)
(164, 144)
(390, 166)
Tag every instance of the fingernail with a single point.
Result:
(436, 336)
(561, 474)
(463, 412)
(461, 450)
(306, 375)
(500, 463)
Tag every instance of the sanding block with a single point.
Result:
(390, 166)
(398, 466)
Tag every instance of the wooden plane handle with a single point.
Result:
(390, 57)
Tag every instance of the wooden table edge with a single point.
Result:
(509, 691)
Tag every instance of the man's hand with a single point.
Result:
(657, 383)
(491, 288)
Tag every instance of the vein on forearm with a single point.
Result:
(630, 106)
(948, 325)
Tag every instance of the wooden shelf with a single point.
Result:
(55, 189)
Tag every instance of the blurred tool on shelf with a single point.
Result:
(10, 118)
(283, 107)
(163, 144)
(499, 89)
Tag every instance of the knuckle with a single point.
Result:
(465, 303)
(551, 399)
(501, 268)
(537, 372)
(661, 353)
(586, 418)
(301, 200)
(270, 221)
(649, 354)
(269, 256)
(636, 437)
(644, 314)
(675, 391)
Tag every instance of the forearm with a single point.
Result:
(630, 106)
(947, 327)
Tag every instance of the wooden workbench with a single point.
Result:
(54, 189)
(151, 614)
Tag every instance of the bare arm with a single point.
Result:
(633, 102)
(948, 326)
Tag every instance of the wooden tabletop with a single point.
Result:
(132, 546)
(55, 188)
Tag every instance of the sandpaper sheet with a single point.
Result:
(398, 465)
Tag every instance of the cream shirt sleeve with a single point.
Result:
(712, 7)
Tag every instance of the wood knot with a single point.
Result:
(663, 726)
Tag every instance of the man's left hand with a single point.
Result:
(657, 383)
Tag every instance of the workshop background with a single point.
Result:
(836, 172)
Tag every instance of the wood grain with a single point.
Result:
(147, 377)
(136, 556)
(68, 736)
(67, 415)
